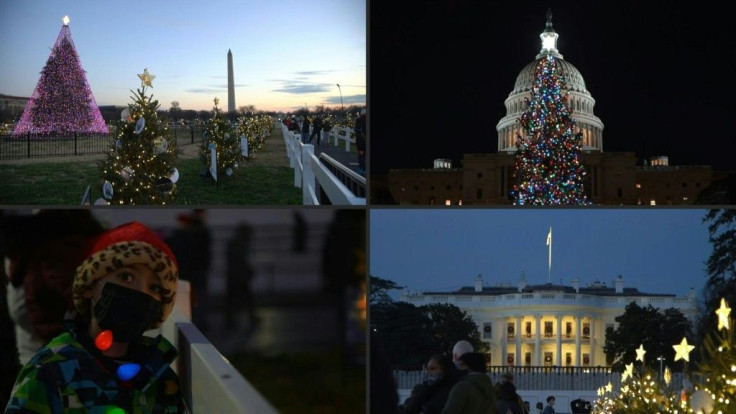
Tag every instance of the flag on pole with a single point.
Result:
(549, 237)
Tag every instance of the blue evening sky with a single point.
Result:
(656, 251)
(286, 53)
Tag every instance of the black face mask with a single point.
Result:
(126, 312)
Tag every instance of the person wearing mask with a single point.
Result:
(432, 393)
(41, 255)
(474, 393)
(103, 362)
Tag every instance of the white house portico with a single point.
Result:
(548, 325)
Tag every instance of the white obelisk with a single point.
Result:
(230, 83)
(549, 256)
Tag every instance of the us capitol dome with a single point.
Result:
(579, 98)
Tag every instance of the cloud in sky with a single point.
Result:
(302, 88)
(347, 100)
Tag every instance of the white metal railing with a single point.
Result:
(310, 172)
(209, 383)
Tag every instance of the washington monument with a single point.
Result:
(230, 83)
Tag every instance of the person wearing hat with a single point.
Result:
(103, 362)
(474, 393)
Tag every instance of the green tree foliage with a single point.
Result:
(404, 331)
(226, 143)
(449, 324)
(720, 267)
(656, 330)
(140, 162)
(379, 289)
(411, 334)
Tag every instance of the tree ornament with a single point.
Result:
(723, 312)
(640, 353)
(683, 350)
(146, 78)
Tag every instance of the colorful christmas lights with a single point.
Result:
(548, 168)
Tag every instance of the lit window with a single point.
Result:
(684, 198)
(638, 185)
(448, 202)
(652, 202)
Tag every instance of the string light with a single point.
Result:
(548, 167)
(62, 102)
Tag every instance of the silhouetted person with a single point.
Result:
(383, 396)
(41, 252)
(191, 245)
(343, 265)
(299, 243)
(239, 275)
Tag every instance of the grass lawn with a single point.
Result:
(267, 179)
(307, 383)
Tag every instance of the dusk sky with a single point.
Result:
(286, 53)
(660, 73)
(661, 251)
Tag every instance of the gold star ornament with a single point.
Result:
(640, 353)
(629, 372)
(65, 20)
(683, 350)
(217, 101)
(609, 387)
(723, 313)
(146, 78)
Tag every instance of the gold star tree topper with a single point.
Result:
(723, 313)
(65, 20)
(640, 353)
(217, 101)
(683, 350)
(146, 78)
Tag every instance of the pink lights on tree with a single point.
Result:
(62, 102)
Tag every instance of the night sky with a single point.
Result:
(661, 73)
(655, 251)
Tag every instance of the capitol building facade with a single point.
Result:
(612, 177)
(548, 325)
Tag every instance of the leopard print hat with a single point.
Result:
(124, 245)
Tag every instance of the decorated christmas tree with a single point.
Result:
(712, 388)
(221, 136)
(255, 128)
(548, 168)
(140, 167)
(62, 102)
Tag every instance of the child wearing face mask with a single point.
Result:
(103, 362)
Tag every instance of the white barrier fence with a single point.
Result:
(209, 383)
(310, 172)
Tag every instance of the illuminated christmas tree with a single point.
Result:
(256, 128)
(221, 135)
(62, 102)
(140, 167)
(713, 381)
(548, 168)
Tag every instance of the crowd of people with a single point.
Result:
(460, 384)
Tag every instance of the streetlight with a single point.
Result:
(661, 361)
(341, 105)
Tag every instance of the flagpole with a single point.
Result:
(549, 256)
